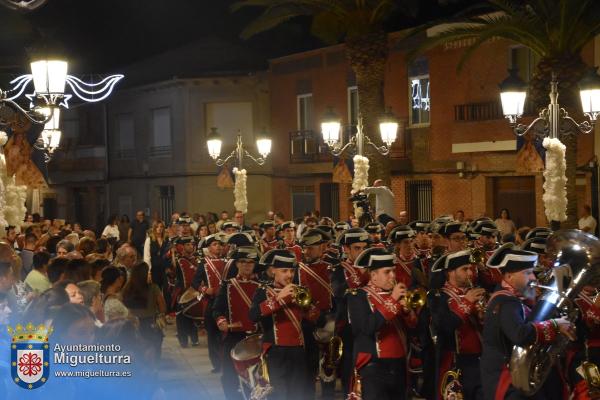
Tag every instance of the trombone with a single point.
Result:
(415, 298)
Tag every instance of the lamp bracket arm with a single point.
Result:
(258, 160)
(383, 149)
(522, 130)
(31, 116)
(337, 150)
(220, 162)
(584, 127)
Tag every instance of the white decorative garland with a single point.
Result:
(555, 180)
(361, 180)
(361, 174)
(3, 222)
(239, 191)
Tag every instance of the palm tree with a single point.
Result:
(360, 24)
(557, 31)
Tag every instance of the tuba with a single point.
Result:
(416, 298)
(477, 256)
(577, 256)
(451, 388)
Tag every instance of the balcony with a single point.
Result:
(160, 151)
(478, 111)
(308, 147)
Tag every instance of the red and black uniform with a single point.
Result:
(210, 274)
(186, 268)
(487, 278)
(294, 247)
(232, 305)
(283, 341)
(589, 330)
(458, 327)
(506, 325)
(266, 245)
(379, 325)
(314, 276)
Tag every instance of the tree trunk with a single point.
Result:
(367, 55)
(569, 70)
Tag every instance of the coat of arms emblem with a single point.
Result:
(30, 360)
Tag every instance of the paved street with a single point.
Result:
(187, 371)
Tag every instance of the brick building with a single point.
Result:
(455, 150)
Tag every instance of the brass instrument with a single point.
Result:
(302, 296)
(451, 388)
(591, 376)
(329, 362)
(481, 304)
(416, 298)
(576, 253)
(477, 255)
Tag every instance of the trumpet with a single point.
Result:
(302, 296)
(415, 298)
(477, 255)
(481, 304)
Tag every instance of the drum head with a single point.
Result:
(189, 295)
(248, 348)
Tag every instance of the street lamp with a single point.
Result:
(214, 144)
(550, 123)
(331, 126)
(513, 93)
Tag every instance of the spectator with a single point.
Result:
(202, 232)
(42, 309)
(97, 267)
(238, 217)
(212, 228)
(72, 290)
(139, 231)
(74, 324)
(155, 253)
(124, 225)
(459, 216)
(384, 198)
(56, 269)
(92, 299)
(37, 279)
(126, 257)
(104, 249)
(587, 222)
(521, 234)
(27, 254)
(402, 218)
(111, 230)
(110, 286)
(224, 217)
(146, 302)
(504, 223)
(63, 248)
(86, 246)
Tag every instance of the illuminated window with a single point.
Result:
(418, 91)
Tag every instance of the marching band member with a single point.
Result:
(289, 239)
(269, 239)
(208, 281)
(408, 265)
(375, 230)
(231, 312)
(340, 228)
(186, 265)
(275, 307)
(506, 325)
(422, 240)
(543, 268)
(457, 316)
(313, 273)
(347, 276)
(485, 232)
(230, 227)
(380, 319)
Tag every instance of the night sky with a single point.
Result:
(102, 36)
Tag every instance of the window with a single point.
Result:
(166, 196)
(125, 136)
(161, 132)
(418, 200)
(524, 61)
(353, 105)
(305, 112)
(418, 91)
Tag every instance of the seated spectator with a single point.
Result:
(72, 290)
(63, 248)
(92, 298)
(37, 279)
(110, 286)
(56, 269)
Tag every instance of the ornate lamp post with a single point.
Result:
(550, 123)
(263, 144)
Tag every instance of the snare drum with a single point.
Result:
(246, 354)
(192, 304)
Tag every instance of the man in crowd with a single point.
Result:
(138, 231)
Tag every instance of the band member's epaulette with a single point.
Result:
(352, 291)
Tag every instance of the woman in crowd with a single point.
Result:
(111, 230)
(155, 253)
(146, 302)
(202, 232)
(110, 286)
(92, 298)
(124, 226)
(504, 223)
(212, 228)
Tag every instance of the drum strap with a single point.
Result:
(586, 298)
(228, 265)
(243, 294)
(350, 274)
(287, 311)
(316, 277)
(213, 268)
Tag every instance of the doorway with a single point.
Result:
(517, 194)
